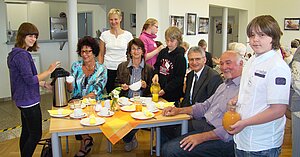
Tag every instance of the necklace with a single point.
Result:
(89, 68)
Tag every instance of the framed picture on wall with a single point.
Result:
(191, 24)
(177, 21)
(132, 20)
(291, 23)
(203, 25)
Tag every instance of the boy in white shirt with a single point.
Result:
(264, 93)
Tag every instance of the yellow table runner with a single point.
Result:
(116, 127)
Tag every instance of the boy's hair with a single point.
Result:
(295, 43)
(25, 29)
(268, 25)
(202, 42)
(174, 33)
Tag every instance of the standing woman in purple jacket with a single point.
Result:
(25, 83)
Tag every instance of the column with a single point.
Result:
(224, 29)
(72, 31)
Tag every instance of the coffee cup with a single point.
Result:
(98, 107)
(151, 106)
(104, 111)
(107, 103)
(70, 79)
(77, 112)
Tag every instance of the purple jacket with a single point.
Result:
(150, 45)
(24, 82)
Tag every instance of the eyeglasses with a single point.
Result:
(86, 51)
(155, 26)
(195, 59)
(136, 49)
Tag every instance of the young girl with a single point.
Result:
(25, 84)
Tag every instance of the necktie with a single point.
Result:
(194, 85)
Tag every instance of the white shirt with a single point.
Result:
(115, 48)
(265, 80)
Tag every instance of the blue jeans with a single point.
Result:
(31, 129)
(274, 152)
(213, 148)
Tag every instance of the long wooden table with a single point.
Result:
(66, 127)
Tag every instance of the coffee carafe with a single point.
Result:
(60, 98)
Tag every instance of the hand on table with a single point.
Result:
(170, 111)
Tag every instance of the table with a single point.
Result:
(66, 127)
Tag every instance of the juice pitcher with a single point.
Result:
(154, 89)
(230, 117)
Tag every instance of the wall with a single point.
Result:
(128, 7)
(98, 11)
(4, 79)
(280, 11)
(16, 21)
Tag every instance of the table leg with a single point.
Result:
(157, 141)
(56, 145)
(109, 146)
(151, 140)
(184, 127)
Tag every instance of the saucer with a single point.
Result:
(106, 115)
(75, 117)
(86, 121)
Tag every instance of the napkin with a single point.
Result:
(147, 113)
(57, 112)
(164, 104)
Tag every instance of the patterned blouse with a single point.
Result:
(84, 85)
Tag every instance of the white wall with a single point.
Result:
(128, 7)
(4, 79)
(280, 10)
(38, 14)
(12, 19)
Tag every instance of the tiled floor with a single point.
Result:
(10, 117)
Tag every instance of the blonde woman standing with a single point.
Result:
(149, 31)
(113, 45)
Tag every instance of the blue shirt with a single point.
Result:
(213, 108)
(84, 85)
(136, 75)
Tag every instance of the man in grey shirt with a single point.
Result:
(210, 139)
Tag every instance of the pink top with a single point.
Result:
(150, 45)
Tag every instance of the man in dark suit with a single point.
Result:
(209, 62)
(206, 84)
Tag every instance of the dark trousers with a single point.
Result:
(31, 129)
(129, 137)
(111, 77)
(214, 148)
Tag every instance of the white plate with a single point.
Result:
(73, 116)
(127, 109)
(107, 115)
(59, 115)
(161, 105)
(72, 107)
(154, 111)
(124, 102)
(86, 121)
(140, 115)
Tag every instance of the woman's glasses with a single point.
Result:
(86, 51)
